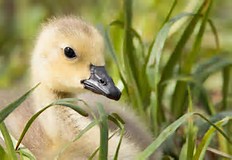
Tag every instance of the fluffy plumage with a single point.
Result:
(61, 77)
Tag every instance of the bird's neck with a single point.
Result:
(56, 119)
(44, 96)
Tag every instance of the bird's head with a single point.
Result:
(68, 56)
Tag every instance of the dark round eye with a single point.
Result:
(69, 52)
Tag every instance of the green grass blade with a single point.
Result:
(11, 154)
(115, 118)
(134, 34)
(86, 129)
(74, 107)
(154, 56)
(119, 143)
(26, 154)
(29, 123)
(11, 107)
(201, 149)
(113, 54)
(191, 135)
(212, 65)
(214, 30)
(170, 12)
(153, 67)
(3, 153)
(226, 89)
(80, 134)
(103, 124)
(179, 95)
(175, 56)
(216, 127)
(32, 119)
(163, 136)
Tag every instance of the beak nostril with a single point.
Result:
(102, 81)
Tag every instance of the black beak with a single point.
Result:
(101, 83)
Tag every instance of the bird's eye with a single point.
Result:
(69, 52)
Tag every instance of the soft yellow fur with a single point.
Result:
(60, 78)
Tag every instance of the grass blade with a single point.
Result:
(153, 67)
(11, 107)
(163, 136)
(26, 154)
(11, 154)
(103, 124)
(74, 107)
(115, 118)
(191, 131)
(29, 123)
(200, 151)
(179, 97)
(32, 119)
(3, 153)
(175, 56)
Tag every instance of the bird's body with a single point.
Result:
(67, 52)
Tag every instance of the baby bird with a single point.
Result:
(68, 62)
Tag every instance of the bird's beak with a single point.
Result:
(101, 83)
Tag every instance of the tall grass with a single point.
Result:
(148, 77)
(166, 88)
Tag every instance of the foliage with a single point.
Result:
(165, 72)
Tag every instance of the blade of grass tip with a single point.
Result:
(201, 149)
(217, 128)
(103, 124)
(8, 142)
(163, 136)
(11, 107)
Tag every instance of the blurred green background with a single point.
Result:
(20, 21)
